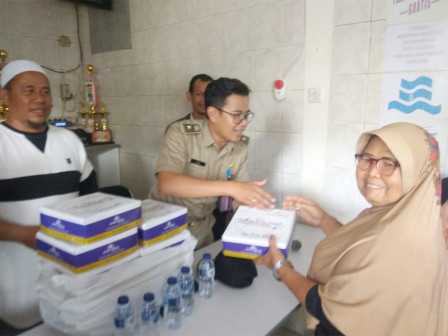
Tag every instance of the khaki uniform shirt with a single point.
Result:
(189, 149)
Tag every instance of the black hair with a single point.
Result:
(201, 77)
(217, 91)
(372, 136)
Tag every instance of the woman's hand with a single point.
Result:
(311, 213)
(297, 283)
(308, 210)
(273, 255)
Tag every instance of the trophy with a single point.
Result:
(96, 124)
(3, 107)
(82, 120)
(103, 117)
(91, 119)
(101, 132)
(92, 95)
(3, 55)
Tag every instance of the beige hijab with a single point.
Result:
(386, 272)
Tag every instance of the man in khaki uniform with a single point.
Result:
(202, 160)
(195, 95)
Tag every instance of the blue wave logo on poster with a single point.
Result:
(417, 97)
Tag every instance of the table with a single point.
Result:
(256, 310)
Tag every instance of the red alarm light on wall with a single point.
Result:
(279, 89)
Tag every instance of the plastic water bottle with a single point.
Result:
(124, 317)
(186, 283)
(172, 314)
(206, 276)
(149, 316)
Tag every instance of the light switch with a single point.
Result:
(315, 95)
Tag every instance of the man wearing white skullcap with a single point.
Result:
(39, 165)
(26, 113)
(15, 68)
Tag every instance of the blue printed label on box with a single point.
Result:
(90, 218)
(160, 221)
(89, 233)
(162, 231)
(79, 260)
(247, 235)
(247, 251)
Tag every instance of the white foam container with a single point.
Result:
(90, 218)
(247, 235)
(160, 221)
(77, 258)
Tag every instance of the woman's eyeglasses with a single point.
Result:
(385, 166)
(238, 117)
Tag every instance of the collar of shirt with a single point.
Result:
(209, 141)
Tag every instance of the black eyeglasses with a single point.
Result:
(385, 166)
(238, 117)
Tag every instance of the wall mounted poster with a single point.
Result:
(420, 98)
(415, 95)
(401, 11)
(417, 46)
(415, 77)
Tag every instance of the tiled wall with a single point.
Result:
(254, 40)
(30, 29)
(357, 62)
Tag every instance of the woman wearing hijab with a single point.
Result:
(386, 272)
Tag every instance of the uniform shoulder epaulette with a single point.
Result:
(244, 140)
(191, 127)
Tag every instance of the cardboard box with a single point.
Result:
(82, 258)
(90, 218)
(247, 235)
(160, 221)
(172, 241)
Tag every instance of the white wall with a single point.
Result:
(256, 41)
(30, 29)
(355, 88)
(301, 147)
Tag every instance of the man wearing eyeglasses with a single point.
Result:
(202, 160)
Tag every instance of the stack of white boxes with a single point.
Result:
(99, 246)
(88, 232)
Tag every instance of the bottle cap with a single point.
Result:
(185, 270)
(206, 256)
(172, 281)
(148, 297)
(123, 299)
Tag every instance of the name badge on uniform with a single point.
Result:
(197, 162)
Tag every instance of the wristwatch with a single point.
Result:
(278, 265)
